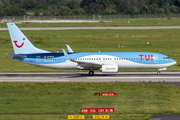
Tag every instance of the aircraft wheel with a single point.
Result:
(158, 73)
(91, 73)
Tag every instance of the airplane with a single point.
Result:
(106, 62)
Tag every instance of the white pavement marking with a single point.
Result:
(132, 77)
(5, 80)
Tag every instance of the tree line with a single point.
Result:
(87, 7)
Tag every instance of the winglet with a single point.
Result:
(69, 49)
(66, 55)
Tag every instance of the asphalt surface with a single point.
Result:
(166, 117)
(167, 78)
(83, 28)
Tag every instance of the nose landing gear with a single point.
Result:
(158, 73)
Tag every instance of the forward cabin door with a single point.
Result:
(156, 59)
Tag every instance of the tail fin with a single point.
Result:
(20, 43)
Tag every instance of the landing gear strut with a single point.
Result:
(91, 73)
(158, 72)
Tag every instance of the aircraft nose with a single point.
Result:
(172, 61)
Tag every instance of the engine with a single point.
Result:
(109, 68)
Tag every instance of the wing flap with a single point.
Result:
(83, 63)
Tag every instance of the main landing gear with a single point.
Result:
(91, 73)
(158, 72)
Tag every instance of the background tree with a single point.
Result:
(64, 10)
(29, 4)
(53, 9)
(73, 4)
(88, 7)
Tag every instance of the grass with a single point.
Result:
(114, 23)
(68, 98)
(161, 41)
(64, 117)
(132, 100)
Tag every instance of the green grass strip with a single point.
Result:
(113, 23)
(64, 117)
(68, 98)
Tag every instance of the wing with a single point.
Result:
(82, 63)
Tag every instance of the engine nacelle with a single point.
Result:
(109, 68)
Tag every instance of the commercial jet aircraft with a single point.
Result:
(107, 62)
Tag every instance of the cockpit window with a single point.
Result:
(165, 57)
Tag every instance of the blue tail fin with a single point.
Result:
(20, 43)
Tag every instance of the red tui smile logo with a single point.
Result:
(19, 46)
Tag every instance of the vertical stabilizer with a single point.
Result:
(20, 43)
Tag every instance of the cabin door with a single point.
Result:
(38, 59)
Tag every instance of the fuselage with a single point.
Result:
(124, 60)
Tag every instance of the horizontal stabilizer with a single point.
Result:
(15, 55)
